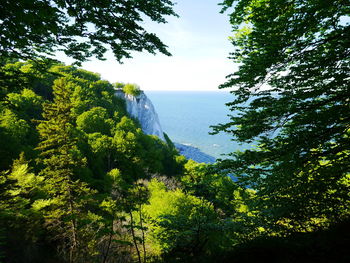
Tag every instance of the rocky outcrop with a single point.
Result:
(141, 108)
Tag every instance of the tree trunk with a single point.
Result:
(143, 234)
(134, 237)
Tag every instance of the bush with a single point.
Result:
(132, 89)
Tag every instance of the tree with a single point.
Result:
(66, 195)
(200, 180)
(181, 225)
(14, 133)
(27, 104)
(95, 120)
(80, 29)
(19, 188)
(292, 100)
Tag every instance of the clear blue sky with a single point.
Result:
(198, 41)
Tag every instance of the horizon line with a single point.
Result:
(217, 90)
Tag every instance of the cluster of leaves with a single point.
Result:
(196, 219)
(131, 89)
(80, 29)
(291, 99)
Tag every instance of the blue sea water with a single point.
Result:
(186, 116)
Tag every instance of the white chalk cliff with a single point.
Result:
(141, 108)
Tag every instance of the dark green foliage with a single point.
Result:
(27, 104)
(16, 76)
(81, 29)
(64, 206)
(292, 94)
(16, 135)
(20, 187)
(322, 246)
(168, 141)
(70, 207)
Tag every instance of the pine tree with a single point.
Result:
(67, 194)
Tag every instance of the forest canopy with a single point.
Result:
(81, 182)
(80, 29)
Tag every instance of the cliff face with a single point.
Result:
(142, 109)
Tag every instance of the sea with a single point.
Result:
(186, 117)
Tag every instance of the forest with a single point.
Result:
(81, 182)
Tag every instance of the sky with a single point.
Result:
(198, 41)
